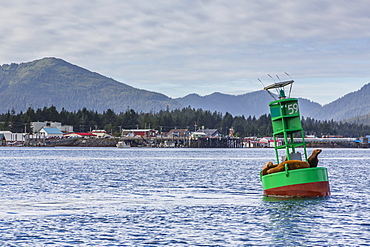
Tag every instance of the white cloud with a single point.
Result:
(182, 47)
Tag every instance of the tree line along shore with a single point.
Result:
(193, 119)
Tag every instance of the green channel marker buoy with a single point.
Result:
(286, 122)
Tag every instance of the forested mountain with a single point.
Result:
(349, 106)
(364, 119)
(249, 104)
(52, 81)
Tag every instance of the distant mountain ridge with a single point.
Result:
(354, 106)
(351, 105)
(52, 81)
(249, 104)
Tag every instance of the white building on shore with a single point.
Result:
(9, 138)
(37, 126)
(51, 132)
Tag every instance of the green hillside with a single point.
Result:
(364, 119)
(52, 81)
(55, 82)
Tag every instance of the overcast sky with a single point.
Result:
(178, 47)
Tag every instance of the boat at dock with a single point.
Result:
(122, 144)
(286, 124)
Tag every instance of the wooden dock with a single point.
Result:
(138, 141)
(173, 142)
(182, 142)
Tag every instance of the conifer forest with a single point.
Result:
(189, 118)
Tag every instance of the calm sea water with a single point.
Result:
(174, 197)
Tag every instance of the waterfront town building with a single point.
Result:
(37, 126)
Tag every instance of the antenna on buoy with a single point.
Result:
(267, 90)
(288, 75)
(277, 91)
(271, 77)
(261, 82)
(291, 85)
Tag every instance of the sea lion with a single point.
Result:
(313, 160)
(292, 165)
(267, 166)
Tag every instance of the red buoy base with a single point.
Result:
(314, 189)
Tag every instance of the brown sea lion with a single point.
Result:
(267, 166)
(313, 160)
(292, 165)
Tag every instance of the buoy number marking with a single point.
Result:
(293, 108)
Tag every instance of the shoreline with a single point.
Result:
(175, 143)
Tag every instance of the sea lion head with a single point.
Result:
(267, 165)
(313, 160)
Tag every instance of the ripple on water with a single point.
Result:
(176, 197)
